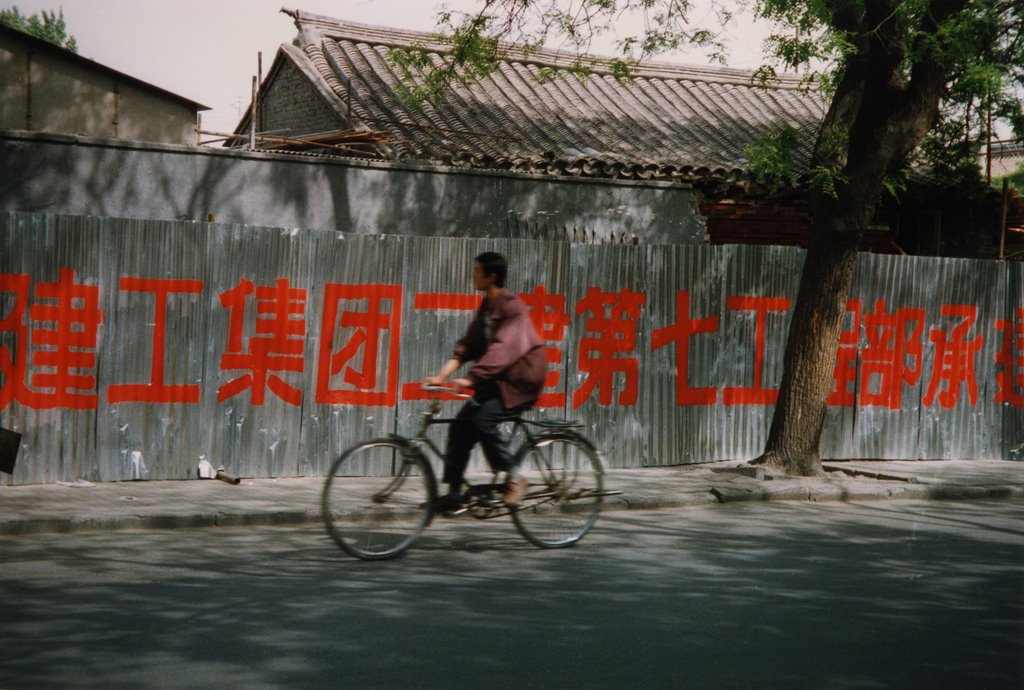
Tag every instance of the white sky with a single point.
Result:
(206, 50)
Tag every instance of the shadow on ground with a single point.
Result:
(784, 595)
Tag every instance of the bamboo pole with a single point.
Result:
(287, 140)
(252, 115)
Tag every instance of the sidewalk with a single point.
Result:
(80, 506)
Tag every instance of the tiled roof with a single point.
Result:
(670, 122)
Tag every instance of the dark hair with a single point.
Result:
(494, 264)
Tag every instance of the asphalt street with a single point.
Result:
(781, 594)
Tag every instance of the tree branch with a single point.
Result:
(917, 107)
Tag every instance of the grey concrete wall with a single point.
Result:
(12, 88)
(95, 177)
(46, 92)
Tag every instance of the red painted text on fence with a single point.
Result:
(157, 390)
(611, 349)
(680, 334)
(891, 356)
(63, 326)
(755, 393)
(955, 358)
(1010, 361)
(360, 323)
(551, 321)
(275, 344)
(51, 333)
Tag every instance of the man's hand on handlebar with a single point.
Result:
(458, 385)
(461, 387)
(461, 384)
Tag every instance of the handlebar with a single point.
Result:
(437, 391)
(431, 388)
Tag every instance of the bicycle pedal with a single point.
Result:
(486, 513)
(455, 513)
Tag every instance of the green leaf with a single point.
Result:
(771, 157)
(48, 26)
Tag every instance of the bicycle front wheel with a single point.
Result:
(378, 498)
(565, 491)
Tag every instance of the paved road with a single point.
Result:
(754, 595)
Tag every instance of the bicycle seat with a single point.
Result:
(552, 423)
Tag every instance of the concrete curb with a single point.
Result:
(155, 522)
(193, 504)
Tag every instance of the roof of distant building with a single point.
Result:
(669, 121)
(40, 44)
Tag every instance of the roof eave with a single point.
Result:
(336, 29)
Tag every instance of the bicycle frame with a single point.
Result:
(430, 418)
(380, 517)
(478, 495)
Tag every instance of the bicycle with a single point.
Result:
(379, 495)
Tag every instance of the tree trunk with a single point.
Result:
(876, 118)
(811, 346)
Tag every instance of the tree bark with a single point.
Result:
(810, 353)
(876, 118)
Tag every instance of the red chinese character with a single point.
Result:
(551, 320)
(277, 346)
(454, 301)
(69, 316)
(614, 322)
(367, 327)
(13, 361)
(845, 372)
(680, 334)
(756, 394)
(1010, 361)
(157, 390)
(438, 301)
(954, 358)
(893, 355)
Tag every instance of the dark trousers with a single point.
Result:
(477, 422)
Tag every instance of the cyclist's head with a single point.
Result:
(494, 264)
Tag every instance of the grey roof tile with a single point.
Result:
(670, 122)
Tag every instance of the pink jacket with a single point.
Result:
(514, 360)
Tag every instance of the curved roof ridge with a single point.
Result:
(338, 29)
(672, 122)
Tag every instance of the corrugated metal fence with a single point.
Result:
(132, 349)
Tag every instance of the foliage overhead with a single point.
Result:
(903, 79)
(1016, 179)
(48, 26)
(978, 43)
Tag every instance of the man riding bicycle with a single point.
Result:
(507, 377)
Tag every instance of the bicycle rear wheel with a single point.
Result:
(378, 498)
(565, 491)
